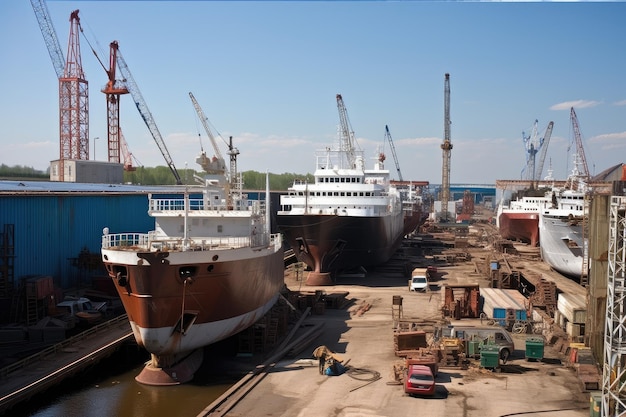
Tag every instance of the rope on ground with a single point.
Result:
(360, 374)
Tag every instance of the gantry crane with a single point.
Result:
(348, 143)
(446, 147)
(393, 151)
(73, 88)
(132, 87)
(215, 165)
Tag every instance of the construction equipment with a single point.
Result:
(446, 147)
(534, 144)
(128, 157)
(544, 151)
(393, 151)
(215, 165)
(73, 88)
(583, 169)
(132, 87)
(113, 90)
(49, 36)
(348, 142)
(329, 361)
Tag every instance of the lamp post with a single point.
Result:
(94, 147)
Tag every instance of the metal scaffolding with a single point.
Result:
(614, 369)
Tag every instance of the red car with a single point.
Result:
(419, 381)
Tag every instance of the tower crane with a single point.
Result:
(393, 151)
(580, 150)
(132, 87)
(347, 134)
(113, 90)
(73, 87)
(216, 165)
(446, 147)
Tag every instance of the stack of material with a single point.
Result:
(504, 306)
(572, 314)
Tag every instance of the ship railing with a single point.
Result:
(197, 204)
(153, 242)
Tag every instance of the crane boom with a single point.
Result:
(49, 36)
(145, 114)
(544, 150)
(217, 165)
(580, 150)
(393, 151)
(347, 134)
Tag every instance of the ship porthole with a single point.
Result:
(210, 268)
(215, 258)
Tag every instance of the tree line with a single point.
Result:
(162, 175)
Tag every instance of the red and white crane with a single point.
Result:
(73, 88)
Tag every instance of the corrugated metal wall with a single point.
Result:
(51, 230)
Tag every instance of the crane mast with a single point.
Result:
(146, 115)
(446, 147)
(113, 90)
(580, 150)
(393, 151)
(217, 165)
(346, 133)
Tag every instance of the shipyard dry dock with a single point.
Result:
(287, 381)
(557, 383)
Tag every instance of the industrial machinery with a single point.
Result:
(215, 165)
(347, 134)
(446, 147)
(132, 87)
(533, 144)
(393, 151)
(581, 159)
(73, 87)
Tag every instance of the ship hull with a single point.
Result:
(561, 244)
(329, 243)
(180, 301)
(523, 227)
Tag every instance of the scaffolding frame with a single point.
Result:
(614, 364)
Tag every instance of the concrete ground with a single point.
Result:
(364, 338)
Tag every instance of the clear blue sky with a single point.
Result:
(267, 73)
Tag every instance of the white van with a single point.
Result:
(483, 334)
(419, 279)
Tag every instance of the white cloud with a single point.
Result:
(579, 104)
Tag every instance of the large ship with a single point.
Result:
(561, 239)
(210, 269)
(519, 220)
(349, 217)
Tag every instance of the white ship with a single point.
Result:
(561, 239)
(210, 269)
(349, 217)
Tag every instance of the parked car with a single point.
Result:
(419, 381)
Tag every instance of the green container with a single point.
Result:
(489, 356)
(473, 348)
(534, 348)
(595, 403)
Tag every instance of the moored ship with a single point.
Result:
(519, 220)
(561, 239)
(349, 217)
(210, 269)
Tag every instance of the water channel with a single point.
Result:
(109, 389)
